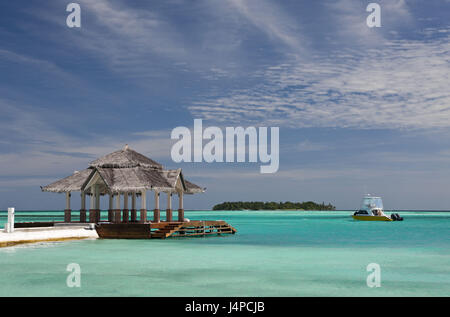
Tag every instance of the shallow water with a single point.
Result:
(274, 253)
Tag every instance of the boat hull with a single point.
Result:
(372, 218)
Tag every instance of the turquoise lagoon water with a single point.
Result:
(274, 253)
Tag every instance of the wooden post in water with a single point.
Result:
(117, 210)
(169, 207)
(97, 204)
(92, 206)
(180, 207)
(110, 208)
(83, 207)
(143, 206)
(133, 207)
(67, 211)
(156, 213)
(125, 207)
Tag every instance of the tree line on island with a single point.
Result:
(259, 205)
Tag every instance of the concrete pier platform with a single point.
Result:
(61, 232)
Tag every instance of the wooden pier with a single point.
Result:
(162, 230)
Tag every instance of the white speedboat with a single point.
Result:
(372, 210)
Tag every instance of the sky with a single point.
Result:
(360, 110)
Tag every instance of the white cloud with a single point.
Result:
(128, 37)
(271, 19)
(146, 42)
(31, 147)
(302, 175)
(402, 84)
(349, 18)
(308, 146)
(47, 66)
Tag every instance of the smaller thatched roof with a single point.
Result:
(171, 177)
(125, 158)
(191, 188)
(71, 183)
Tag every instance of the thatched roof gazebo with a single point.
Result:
(124, 173)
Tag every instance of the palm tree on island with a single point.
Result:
(259, 205)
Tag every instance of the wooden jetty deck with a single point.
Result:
(163, 230)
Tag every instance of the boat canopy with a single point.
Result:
(369, 203)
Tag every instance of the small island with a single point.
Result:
(259, 205)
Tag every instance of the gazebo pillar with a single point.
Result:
(117, 210)
(156, 213)
(110, 208)
(180, 207)
(97, 204)
(125, 207)
(92, 206)
(67, 211)
(143, 206)
(169, 207)
(94, 209)
(133, 207)
(83, 207)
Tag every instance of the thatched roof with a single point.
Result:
(125, 158)
(71, 183)
(191, 188)
(125, 171)
(136, 179)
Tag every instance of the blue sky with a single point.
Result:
(359, 109)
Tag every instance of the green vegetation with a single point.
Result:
(259, 205)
